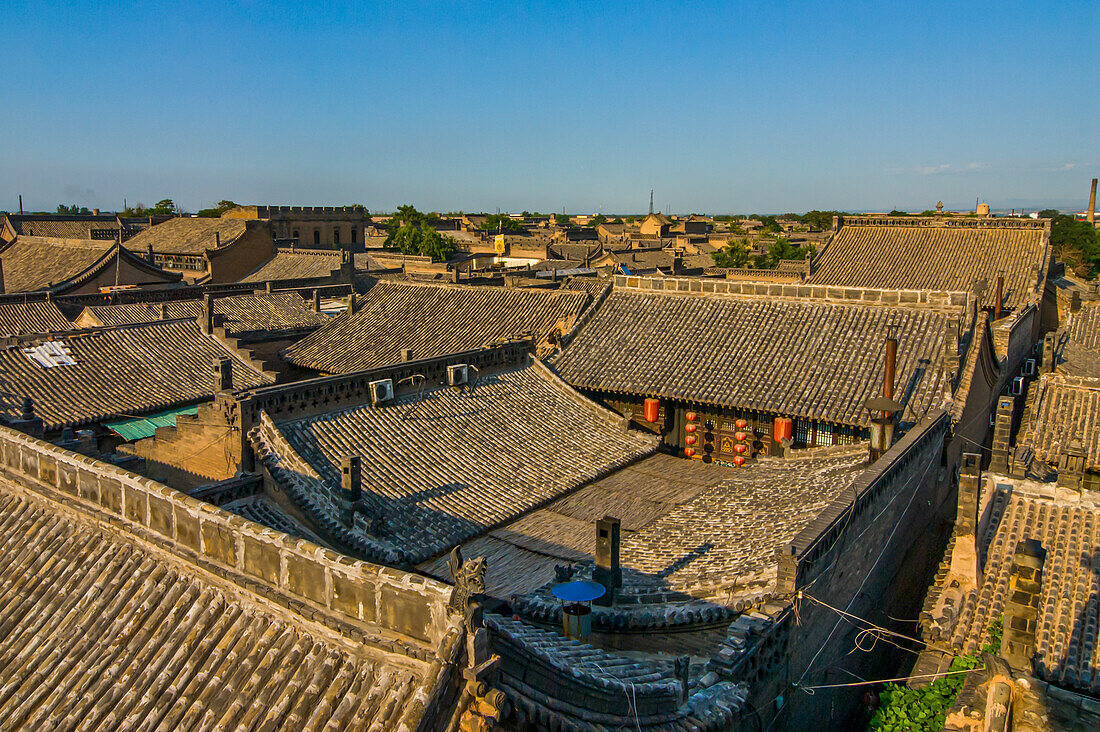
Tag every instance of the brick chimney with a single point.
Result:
(1025, 585)
(1002, 434)
(351, 487)
(964, 558)
(208, 313)
(997, 304)
(607, 572)
(1071, 465)
(1090, 215)
(223, 374)
(316, 301)
(1050, 359)
(351, 303)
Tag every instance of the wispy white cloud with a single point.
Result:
(985, 166)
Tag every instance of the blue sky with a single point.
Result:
(719, 107)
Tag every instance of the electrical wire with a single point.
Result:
(810, 689)
(878, 558)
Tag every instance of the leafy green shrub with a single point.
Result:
(915, 710)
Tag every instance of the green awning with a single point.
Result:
(137, 428)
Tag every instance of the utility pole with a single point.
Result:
(20, 204)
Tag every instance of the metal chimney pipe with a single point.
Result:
(891, 362)
(1090, 216)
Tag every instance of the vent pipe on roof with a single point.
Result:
(891, 361)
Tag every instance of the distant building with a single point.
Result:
(330, 227)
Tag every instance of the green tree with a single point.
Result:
(411, 232)
(818, 219)
(420, 240)
(779, 250)
(735, 254)
(164, 207)
(597, 220)
(221, 207)
(561, 219)
(1077, 243)
(501, 223)
(72, 210)
(770, 224)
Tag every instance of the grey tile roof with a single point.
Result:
(65, 227)
(31, 263)
(1068, 623)
(1064, 408)
(36, 263)
(591, 285)
(929, 254)
(105, 633)
(432, 320)
(128, 370)
(729, 533)
(31, 317)
(296, 264)
(186, 235)
(522, 554)
(686, 527)
(241, 314)
(810, 359)
(451, 465)
(1084, 327)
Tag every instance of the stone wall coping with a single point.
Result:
(204, 535)
(820, 535)
(951, 300)
(965, 222)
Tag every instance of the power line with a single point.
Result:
(810, 689)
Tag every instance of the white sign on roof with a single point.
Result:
(50, 354)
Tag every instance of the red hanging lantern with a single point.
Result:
(688, 452)
(739, 448)
(690, 428)
(741, 424)
(652, 410)
(783, 428)
(740, 436)
(739, 461)
(690, 439)
(691, 416)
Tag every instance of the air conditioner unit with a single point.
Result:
(1017, 386)
(381, 391)
(458, 374)
(1029, 367)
